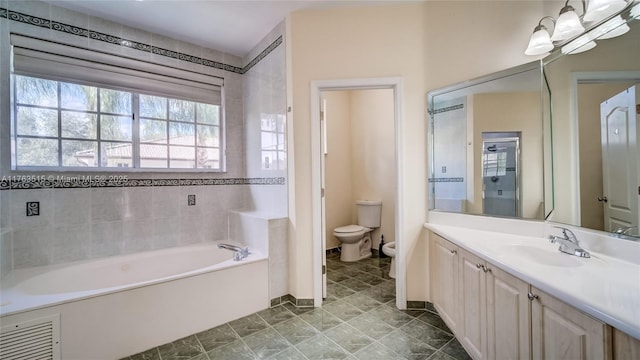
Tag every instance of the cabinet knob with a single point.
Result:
(478, 266)
(532, 296)
(486, 269)
(453, 251)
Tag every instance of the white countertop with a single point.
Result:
(605, 287)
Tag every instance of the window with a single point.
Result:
(74, 108)
(495, 164)
(272, 131)
(68, 125)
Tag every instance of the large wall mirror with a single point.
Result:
(486, 141)
(594, 103)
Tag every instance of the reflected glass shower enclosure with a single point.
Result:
(501, 173)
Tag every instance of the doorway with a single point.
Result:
(589, 90)
(358, 148)
(619, 162)
(320, 230)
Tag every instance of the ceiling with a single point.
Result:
(232, 26)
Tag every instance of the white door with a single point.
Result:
(620, 160)
(323, 151)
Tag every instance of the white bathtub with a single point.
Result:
(114, 307)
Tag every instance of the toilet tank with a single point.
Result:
(369, 213)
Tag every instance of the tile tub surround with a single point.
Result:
(350, 325)
(124, 223)
(82, 220)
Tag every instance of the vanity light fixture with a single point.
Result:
(568, 24)
(611, 28)
(598, 10)
(540, 42)
(581, 44)
(635, 11)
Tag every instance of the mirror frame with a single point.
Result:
(517, 70)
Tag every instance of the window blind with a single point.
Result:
(47, 59)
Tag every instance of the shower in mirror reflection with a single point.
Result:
(501, 174)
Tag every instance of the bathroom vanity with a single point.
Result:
(504, 290)
(514, 296)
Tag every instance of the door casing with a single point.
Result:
(318, 86)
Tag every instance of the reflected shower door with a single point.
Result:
(500, 174)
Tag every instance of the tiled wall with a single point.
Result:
(450, 120)
(80, 220)
(268, 235)
(265, 98)
(264, 85)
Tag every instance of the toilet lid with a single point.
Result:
(349, 229)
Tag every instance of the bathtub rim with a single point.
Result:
(20, 302)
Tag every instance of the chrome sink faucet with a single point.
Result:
(624, 230)
(239, 253)
(569, 243)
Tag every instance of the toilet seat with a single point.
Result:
(349, 229)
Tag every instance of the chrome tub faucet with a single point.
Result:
(569, 244)
(239, 253)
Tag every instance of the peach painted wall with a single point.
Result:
(430, 45)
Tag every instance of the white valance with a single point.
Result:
(42, 58)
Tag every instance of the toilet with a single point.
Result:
(389, 249)
(356, 239)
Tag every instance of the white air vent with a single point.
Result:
(37, 339)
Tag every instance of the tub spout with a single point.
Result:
(239, 253)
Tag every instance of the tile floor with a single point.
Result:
(358, 320)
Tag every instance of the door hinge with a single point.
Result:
(638, 109)
(322, 192)
(324, 269)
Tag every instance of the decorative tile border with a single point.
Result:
(115, 40)
(76, 182)
(69, 29)
(263, 54)
(444, 179)
(28, 19)
(446, 109)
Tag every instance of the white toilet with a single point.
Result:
(356, 239)
(389, 249)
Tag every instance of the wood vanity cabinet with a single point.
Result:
(559, 331)
(625, 347)
(495, 315)
(444, 279)
(494, 311)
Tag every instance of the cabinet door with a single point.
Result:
(472, 324)
(625, 347)
(444, 279)
(562, 332)
(508, 321)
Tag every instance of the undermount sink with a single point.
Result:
(550, 257)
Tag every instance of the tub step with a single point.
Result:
(34, 339)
